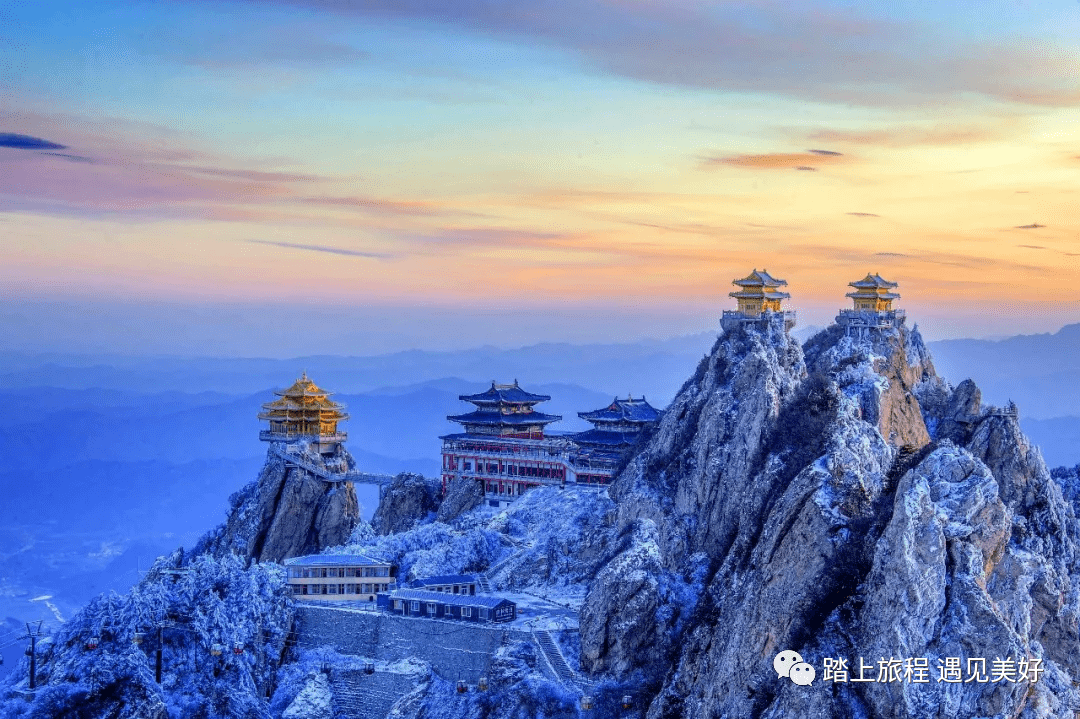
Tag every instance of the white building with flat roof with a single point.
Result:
(339, 577)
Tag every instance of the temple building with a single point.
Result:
(504, 447)
(505, 410)
(758, 300)
(873, 298)
(616, 429)
(304, 411)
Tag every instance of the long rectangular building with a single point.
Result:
(339, 577)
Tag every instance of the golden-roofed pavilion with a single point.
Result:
(758, 299)
(873, 299)
(304, 411)
(872, 293)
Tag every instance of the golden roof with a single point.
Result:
(305, 398)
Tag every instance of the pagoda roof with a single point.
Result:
(863, 293)
(304, 395)
(508, 393)
(514, 419)
(626, 410)
(759, 279)
(605, 437)
(764, 292)
(874, 281)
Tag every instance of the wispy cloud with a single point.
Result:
(839, 53)
(325, 248)
(773, 161)
(377, 205)
(919, 135)
(863, 214)
(16, 141)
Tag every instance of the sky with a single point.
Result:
(321, 176)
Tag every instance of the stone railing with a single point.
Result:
(267, 435)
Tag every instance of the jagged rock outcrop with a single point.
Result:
(288, 511)
(461, 496)
(841, 517)
(407, 501)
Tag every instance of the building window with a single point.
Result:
(414, 606)
(398, 605)
(466, 611)
(484, 613)
(432, 607)
(332, 588)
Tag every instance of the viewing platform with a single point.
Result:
(732, 318)
(269, 435)
(869, 318)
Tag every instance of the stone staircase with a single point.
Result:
(357, 695)
(483, 583)
(555, 658)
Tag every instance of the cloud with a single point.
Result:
(863, 214)
(917, 135)
(71, 158)
(840, 54)
(254, 175)
(381, 206)
(26, 142)
(1032, 247)
(827, 153)
(1032, 226)
(324, 248)
(772, 161)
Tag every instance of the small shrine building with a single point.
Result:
(872, 298)
(758, 300)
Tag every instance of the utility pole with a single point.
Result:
(160, 647)
(32, 635)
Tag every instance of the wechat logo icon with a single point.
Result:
(791, 665)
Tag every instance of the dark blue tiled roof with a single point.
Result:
(599, 436)
(509, 393)
(626, 410)
(332, 560)
(458, 600)
(445, 579)
(517, 418)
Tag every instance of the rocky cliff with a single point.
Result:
(288, 511)
(409, 500)
(845, 503)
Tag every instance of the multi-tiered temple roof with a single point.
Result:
(507, 410)
(617, 426)
(873, 310)
(872, 293)
(303, 411)
(758, 301)
(758, 293)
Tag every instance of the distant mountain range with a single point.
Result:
(137, 454)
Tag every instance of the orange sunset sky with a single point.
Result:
(182, 177)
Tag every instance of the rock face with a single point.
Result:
(845, 503)
(288, 511)
(461, 496)
(409, 499)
